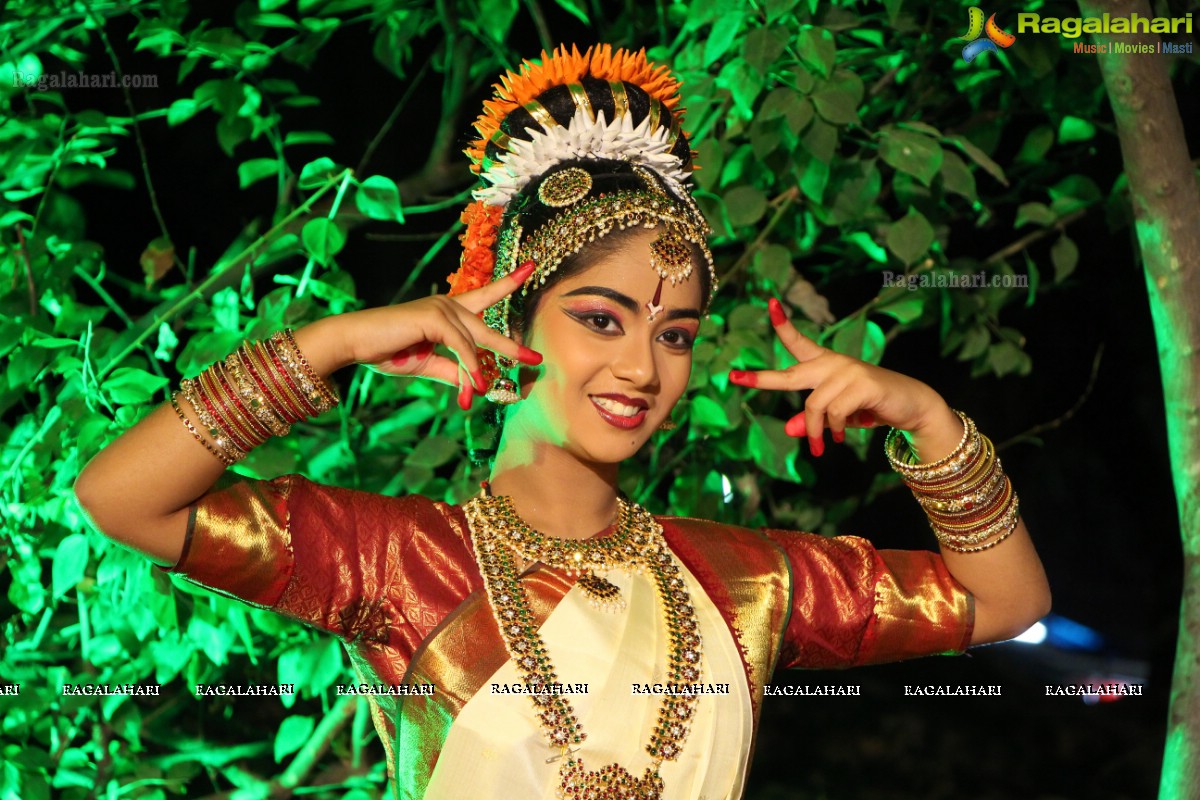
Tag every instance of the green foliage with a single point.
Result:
(838, 141)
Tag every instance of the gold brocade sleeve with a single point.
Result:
(852, 604)
(319, 554)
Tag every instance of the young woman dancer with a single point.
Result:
(576, 645)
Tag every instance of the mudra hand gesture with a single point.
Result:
(846, 391)
(400, 339)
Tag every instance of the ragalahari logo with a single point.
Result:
(981, 37)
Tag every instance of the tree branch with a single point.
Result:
(1066, 416)
(1028, 239)
(137, 136)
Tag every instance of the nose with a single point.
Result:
(635, 363)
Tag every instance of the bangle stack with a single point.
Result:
(256, 393)
(969, 500)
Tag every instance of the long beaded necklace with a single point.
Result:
(498, 535)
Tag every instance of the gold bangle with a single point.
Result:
(224, 459)
(253, 398)
(989, 545)
(900, 460)
(283, 405)
(313, 384)
(219, 435)
(225, 414)
(287, 382)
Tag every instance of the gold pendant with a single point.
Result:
(602, 594)
(612, 782)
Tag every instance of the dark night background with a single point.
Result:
(1095, 491)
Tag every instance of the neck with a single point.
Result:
(553, 491)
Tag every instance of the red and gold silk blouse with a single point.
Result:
(396, 580)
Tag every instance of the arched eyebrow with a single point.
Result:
(627, 302)
(623, 300)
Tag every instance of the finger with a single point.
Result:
(465, 392)
(862, 419)
(488, 295)
(458, 338)
(435, 368)
(796, 343)
(496, 342)
(827, 406)
(793, 379)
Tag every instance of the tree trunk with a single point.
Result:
(1166, 206)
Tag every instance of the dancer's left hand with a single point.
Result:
(846, 391)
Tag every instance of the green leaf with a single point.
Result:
(745, 205)
(433, 451)
(815, 179)
(496, 17)
(130, 386)
(956, 177)
(1006, 358)
(771, 448)
(763, 46)
(1065, 256)
(307, 137)
(575, 9)
(254, 170)
(232, 131)
(773, 264)
(70, 563)
(1036, 145)
(316, 174)
(913, 153)
(1074, 129)
(293, 734)
(906, 308)
(910, 237)
(836, 104)
(979, 157)
(704, 412)
(860, 338)
(791, 105)
(379, 198)
(323, 239)
(868, 246)
(975, 343)
(1036, 213)
(181, 111)
(724, 31)
(817, 49)
(820, 140)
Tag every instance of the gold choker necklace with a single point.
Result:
(499, 534)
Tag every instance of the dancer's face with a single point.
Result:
(610, 375)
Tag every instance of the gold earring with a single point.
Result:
(668, 424)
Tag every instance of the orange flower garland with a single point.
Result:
(478, 265)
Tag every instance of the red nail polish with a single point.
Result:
(839, 436)
(477, 379)
(778, 315)
(465, 396)
(524, 271)
(796, 426)
(817, 446)
(527, 356)
(866, 419)
(743, 378)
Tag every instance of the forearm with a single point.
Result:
(1007, 581)
(138, 489)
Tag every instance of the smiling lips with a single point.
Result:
(620, 411)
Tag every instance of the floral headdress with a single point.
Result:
(545, 124)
